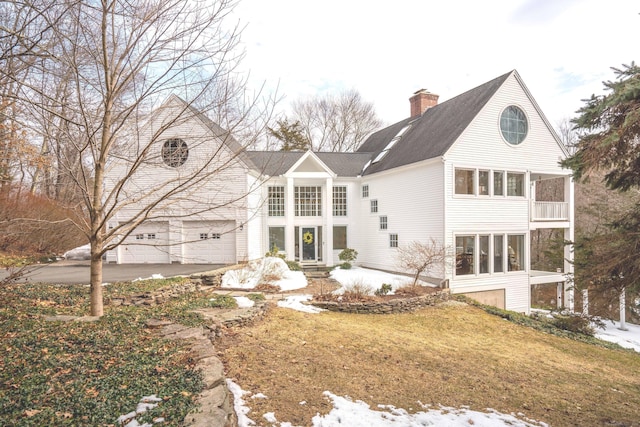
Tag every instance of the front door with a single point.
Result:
(309, 244)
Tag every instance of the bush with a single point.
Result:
(345, 266)
(274, 252)
(384, 289)
(348, 255)
(223, 301)
(293, 265)
(255, 297)
(574, 323)
(357, 291)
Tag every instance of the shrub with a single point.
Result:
(383, 290)
(274, 252)
(574, 323)
(357, 291)
(267, 287)
(293, 265)
(223, 301)
(255, 297)
(345, 266)
(348, 255)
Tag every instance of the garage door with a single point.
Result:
(209, 242)
(146, 245)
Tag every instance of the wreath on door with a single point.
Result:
(307, 238)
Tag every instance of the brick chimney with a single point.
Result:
(421, 101)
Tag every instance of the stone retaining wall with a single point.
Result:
(385, 307)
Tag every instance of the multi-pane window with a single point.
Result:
(216, 236)
(276, 201)
(498, 183)
(515, 244)
(515, 184)
(276, 238)
(475, 253)
(483, 183)
(374, 206)
(465, 254)
(339, 237)
(151, 236)
(339, 201)
(365, 190)
(393, 240)
(139, 236)
(308, 201)
(204, 236)
(383, 222)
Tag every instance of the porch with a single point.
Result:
(551, 199)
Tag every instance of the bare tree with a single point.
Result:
(336, 123)
(120, 60)
(423, 258)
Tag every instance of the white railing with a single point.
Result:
(550, 211)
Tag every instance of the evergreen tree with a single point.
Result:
(609, 143)
(291, 135)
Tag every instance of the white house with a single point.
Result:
(463, 172)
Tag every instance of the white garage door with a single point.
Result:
(146, 245)
(209, 242)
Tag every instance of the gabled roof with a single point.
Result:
(275, 163)
(431, 134)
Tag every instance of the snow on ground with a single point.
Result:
(262, 269)
(627, 339)
(155, 276)
(295, 302)
(346, 412)
(79, 253)
(372, 279)
(244, 302)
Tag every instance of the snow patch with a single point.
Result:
(295, 302)
(273, 269)
(80, 253)
(244, 302)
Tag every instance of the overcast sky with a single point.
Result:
(386, 50)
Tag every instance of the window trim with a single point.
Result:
(383, 222)
(365, 191)
(374, 206)
(339, 201)
(491, 258)
(393, 240)
(307, 204)
(275, 201)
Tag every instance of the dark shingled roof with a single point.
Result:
(274, 163)
(432, 133)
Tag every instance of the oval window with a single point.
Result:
(513, 125)
(175, 152)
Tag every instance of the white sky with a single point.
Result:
(563, 49)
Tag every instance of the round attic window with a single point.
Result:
(514, 125)
(175, 152)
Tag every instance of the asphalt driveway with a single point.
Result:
(78, 272)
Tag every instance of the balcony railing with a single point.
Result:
(550, 211)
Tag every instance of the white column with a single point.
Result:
(569, 236)
(289, 215)
(327, 242)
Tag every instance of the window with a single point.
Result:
(383, 222)
(483, 262)
(151, 236)
(393, 240)
(483, 183)
(339, 201)
(340, 237)
(139, 236)
(465, 250)
(276, 201)
(513, 125)
(516, 252)
(374, 206)
(216, 236)
(204, 236)
(515, 184)
(308, 201)
(498, 253)
(174, 152)
(365, 190)
(498, 183)
(276, 238)
(464, 181)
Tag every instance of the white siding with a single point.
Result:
(412, 199)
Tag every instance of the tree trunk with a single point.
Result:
(97, 308)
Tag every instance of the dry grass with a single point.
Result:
(451, 356)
